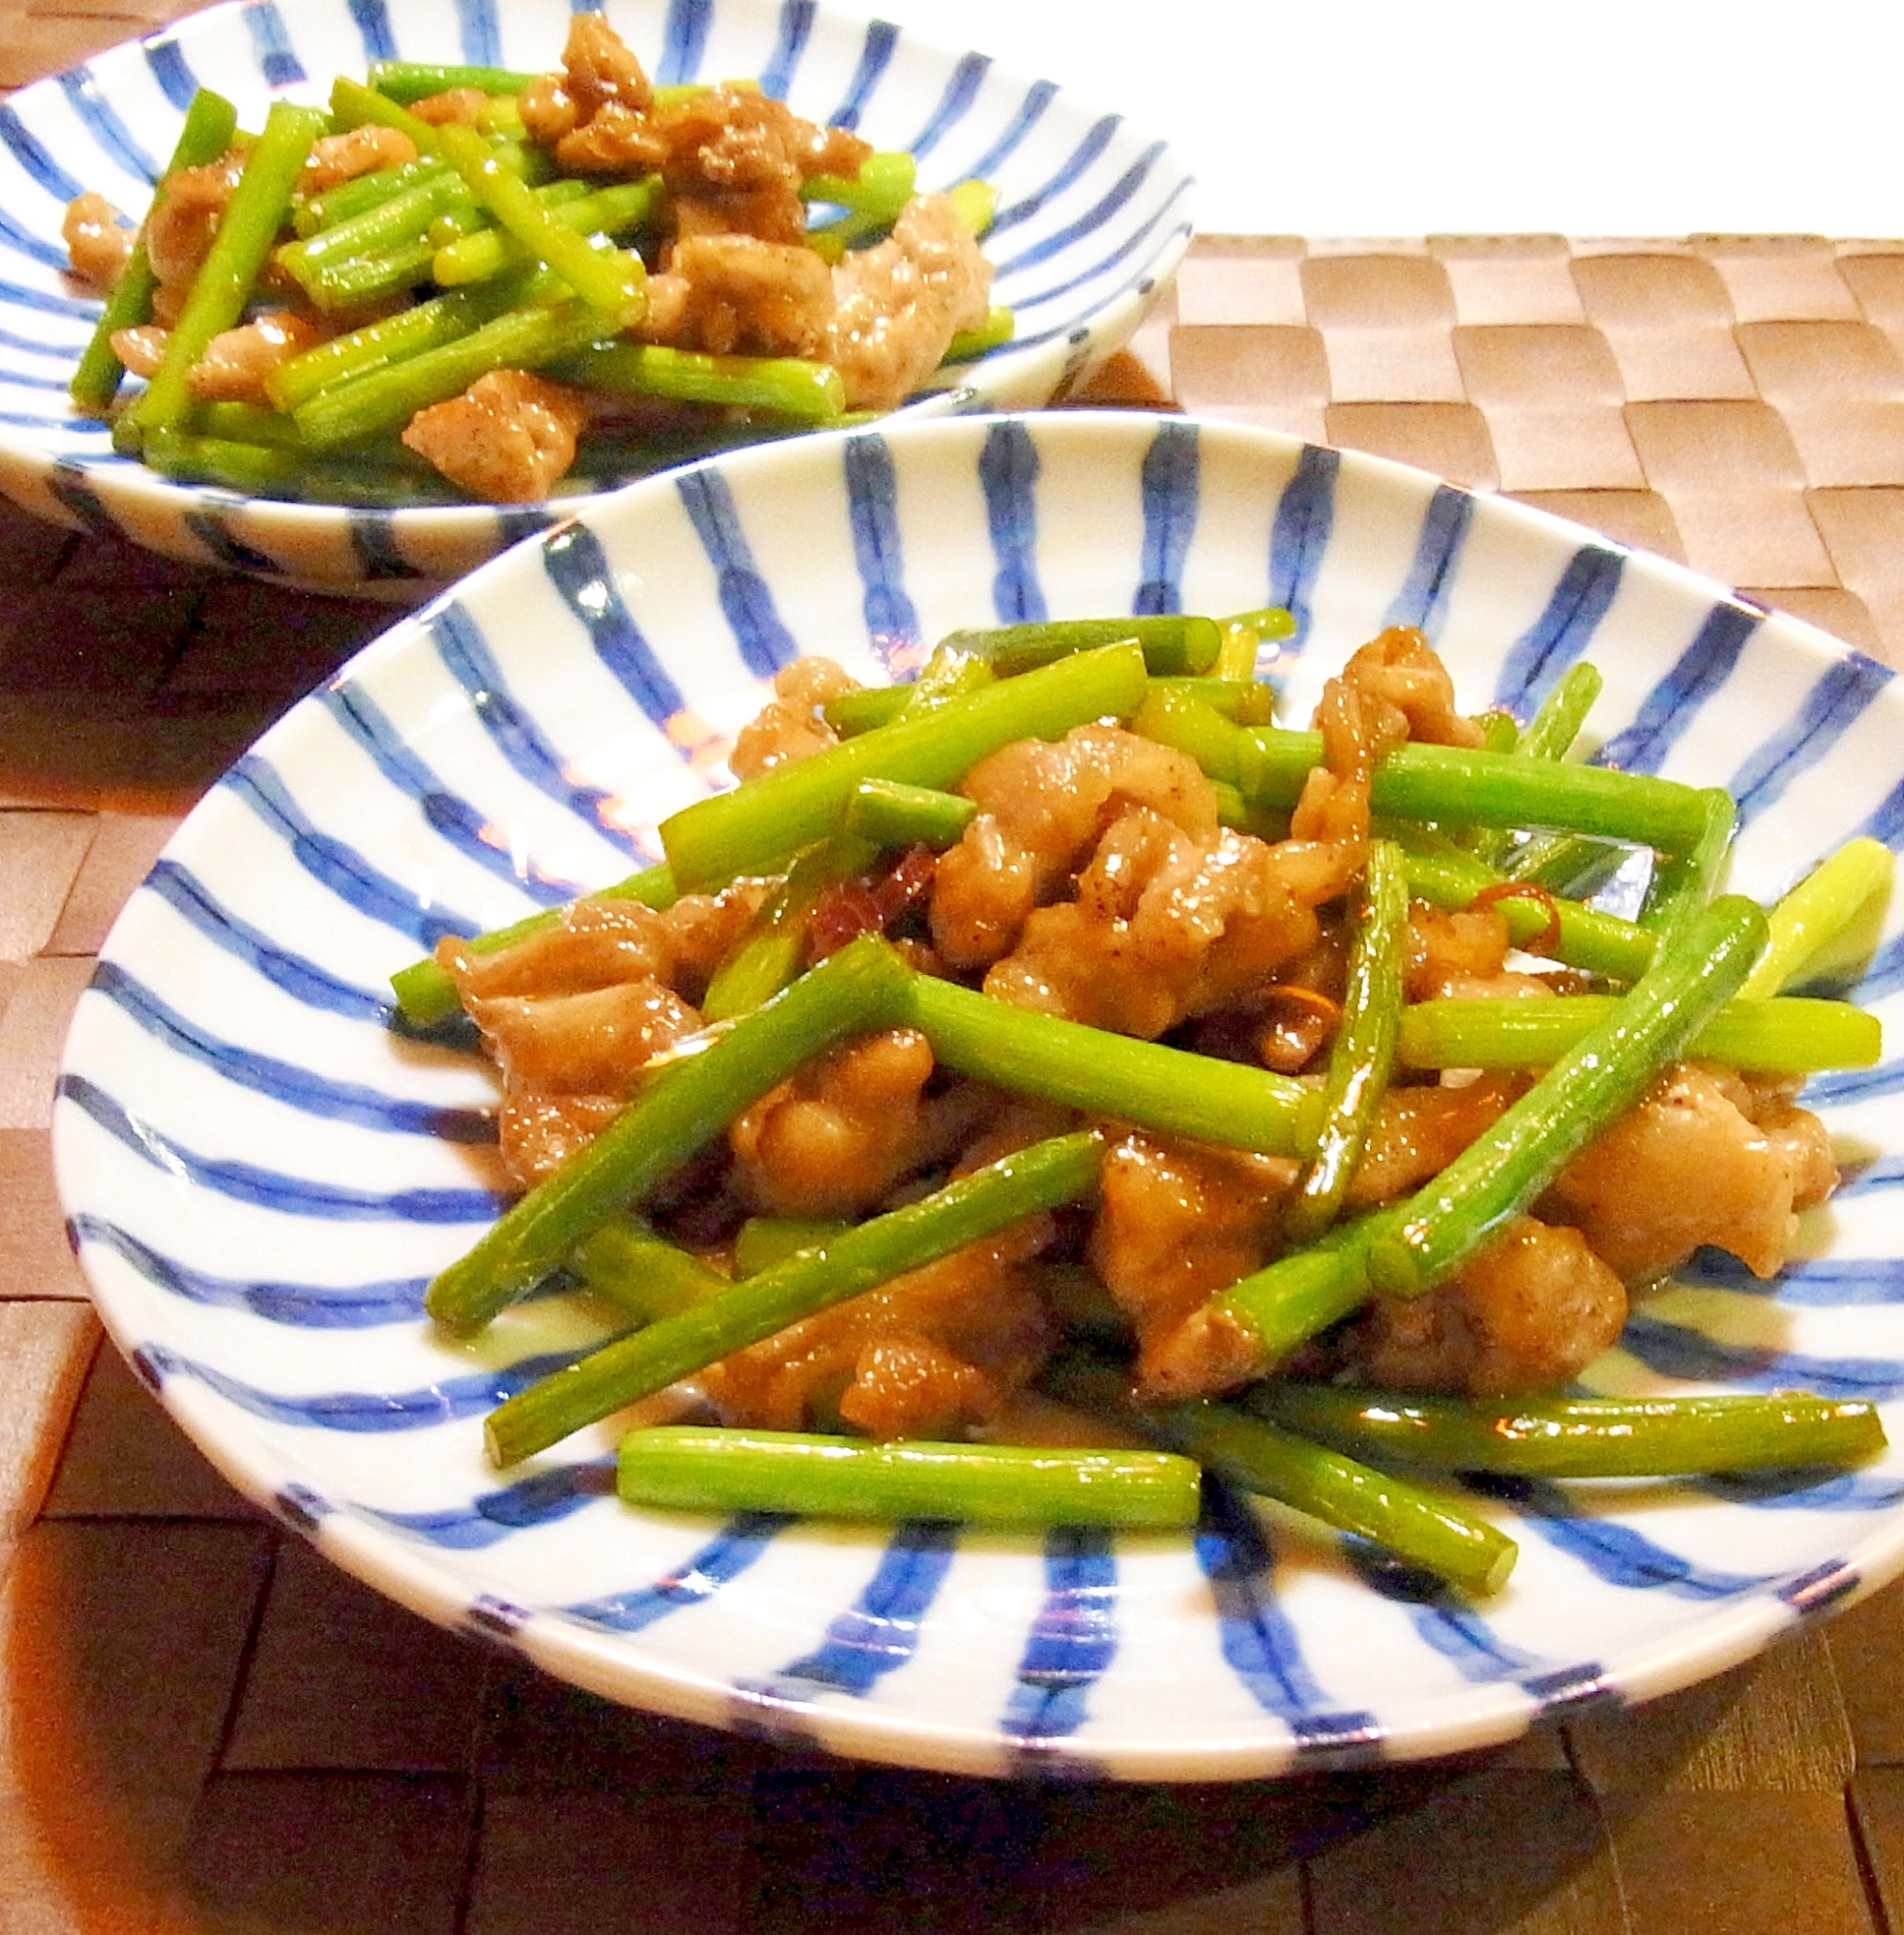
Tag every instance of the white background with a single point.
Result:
(1414, 117)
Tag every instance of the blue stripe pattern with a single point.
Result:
(298, 1088)
(1171, 471)
(104, 124)
(874, 57)
(1560, 637)
(304, 1306)
(578, 569)
(272, 42)
(273, 1189)
(960, 93)
(1673, 704)
(1072, 1640)
(717, 1563)
(1423, 597)
(1305, 518)
(746, 599)
(892, 621)
(372, 19)
(466, 652)
(172, 70)
(1832, 706)
(493, 1516)
(1009, 473)
(796, 19)
(479, 33)
(30, 154)
(337, 865)
(684, 41)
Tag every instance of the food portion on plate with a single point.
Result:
(1039, 1081)
(457, 276)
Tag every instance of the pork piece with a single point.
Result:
(1042, 807)
(140, 348)
(599, 70)
(454, 106)
(506, 439)
(1419, 1131)
(1693, 1164)
(927, 1354)
(1463, 955)
(835, 1139)
(899, 304)
(1529, 1313)
(789, 726)
(183, 219)
(1178, 1222)
(358, 151)
(237, 360)
(1164, 926)
(600, 943)
(735, 294)
(97, 244)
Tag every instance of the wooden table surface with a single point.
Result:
(204, 1727)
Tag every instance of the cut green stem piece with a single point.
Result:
(764, 1241)
(427, 994)
(751, 829)
(1580, 1437)
(1179, 719)
(613, 282)
(1830, 921)
(890, 813)
(386, 399)
(210, 122)
(1172, 645)
(392, 338)
(245, 232)
(857, 991)
(975, 202)
(356, 105)
(316, 213)
(394, 222)
(999, 326)
(615, 210)
(1781, 1035)
(1043, 1176)
(1683, 883)
(787, 386)
(1560, 930)
(884, 186)
(1451, 784)
(689, 1468)
(411, 81)
(1412, 1245)
(1417, 1525)
(1549, 735)
(769, 957)
(1362, 1055)
(643, 1274)
(1113, 1074)
(1243, 701)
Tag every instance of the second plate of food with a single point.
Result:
(741, 203)
(263, 1172)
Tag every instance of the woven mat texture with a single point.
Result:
(204, 1727)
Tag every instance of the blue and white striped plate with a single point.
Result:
(1092, 216)
(260, 1175)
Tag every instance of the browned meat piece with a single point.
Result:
(599, 68)
(454, 106)
(925, 1356)
(237, 360)
(141, 349)
(1165, 927)
(506, 439)
(97, 245)
(1419, 1131)
(736, 295)
(1689, 1166)
(899, 304)
(183, 219)
(789, 727)
(586, 1044)
(359, 151)
(537, 1134)
(1041, 809)
(1529, 1313)
(834, 1139)
(1177, 1223)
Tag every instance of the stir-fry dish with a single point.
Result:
(456, 279)
(1040, 1085)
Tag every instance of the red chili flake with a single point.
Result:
(849, 909)
(1549, 937)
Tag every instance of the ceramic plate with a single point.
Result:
(1092, 216)
(260, 1175)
